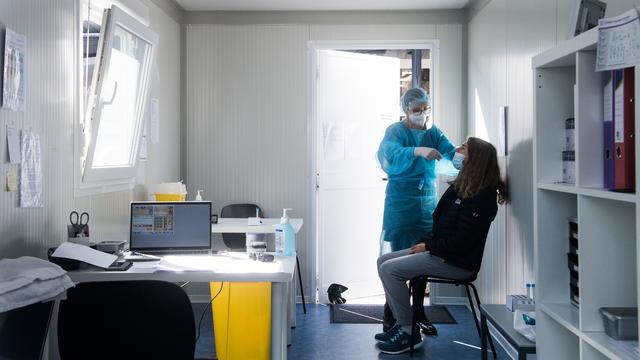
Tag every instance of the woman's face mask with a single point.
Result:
(458, 160)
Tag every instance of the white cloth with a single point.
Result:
(27, 280)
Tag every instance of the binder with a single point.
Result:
(623, 131)
(607, 101)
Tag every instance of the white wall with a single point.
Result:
(49, 28)
(246, 102)
(502, 38)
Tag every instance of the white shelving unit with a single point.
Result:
(567, 85)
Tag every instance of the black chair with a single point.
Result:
(417, 286)
(238, 241)
(23, 331)
(126, 320)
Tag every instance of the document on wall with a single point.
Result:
(14, 79)
(154, 120)
(334, 140)
(13, 145)
(618, 41)
(31, 171)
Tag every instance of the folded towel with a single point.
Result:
(16, 273)
(27, 280)
(39, 290)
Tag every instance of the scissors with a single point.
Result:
(79, 223)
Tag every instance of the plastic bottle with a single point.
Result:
(533, 291)
(528, 290)
(199, 197)
(285, 236)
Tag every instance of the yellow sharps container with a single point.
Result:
(242, 320)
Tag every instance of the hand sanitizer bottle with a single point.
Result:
(199, 196)
(285, 236)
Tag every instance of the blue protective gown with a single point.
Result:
(411, 193)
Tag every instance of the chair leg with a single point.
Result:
(304, 303)
(417, 295)
(413, 317)
(475, 293)
(473, 309)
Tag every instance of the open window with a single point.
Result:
(116, 64)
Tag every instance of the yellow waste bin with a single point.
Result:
(242, 320)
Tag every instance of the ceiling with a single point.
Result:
(310, 5)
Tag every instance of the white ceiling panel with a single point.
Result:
(306, 5)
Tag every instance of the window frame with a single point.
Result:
(89, 181)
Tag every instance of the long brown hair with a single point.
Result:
(480, 171)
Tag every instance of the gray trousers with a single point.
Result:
(396, 268)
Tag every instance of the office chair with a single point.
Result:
(239, 241)
(417, 286)
(23, 331)
(126, 320)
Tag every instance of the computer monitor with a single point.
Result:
(170, 226)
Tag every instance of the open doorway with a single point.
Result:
(356, 92)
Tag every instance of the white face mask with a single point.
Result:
(420, 119)
(458, 160)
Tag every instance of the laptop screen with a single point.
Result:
(162, 226)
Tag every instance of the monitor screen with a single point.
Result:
(160, 226)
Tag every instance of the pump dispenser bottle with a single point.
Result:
(285, 235)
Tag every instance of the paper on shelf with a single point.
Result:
(84, 253)
(618, 41)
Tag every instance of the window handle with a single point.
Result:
(113, 96)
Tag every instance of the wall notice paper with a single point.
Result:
(618, 42)
(14, 80)
(13, 145)
(84, 253)
(12, 181)
(31, 171)
(154, 120)
(334, 139)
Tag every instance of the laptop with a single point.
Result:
(169, 228)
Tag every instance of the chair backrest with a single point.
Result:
(23, 331)
(126, 320)
(237, 241)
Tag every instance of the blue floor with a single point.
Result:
(316, 338)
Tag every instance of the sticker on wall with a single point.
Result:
(11, 183)
(14, 72)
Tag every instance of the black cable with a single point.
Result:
(208, 306)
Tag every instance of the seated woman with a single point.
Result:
(461, 222)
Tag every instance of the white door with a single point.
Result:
(358, 97)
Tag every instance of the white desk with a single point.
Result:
(239, 225)
(221, 268)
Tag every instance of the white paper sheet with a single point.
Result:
(13, 144)
(84, 253)
(618, 41)
(14, 75)
(154, 120)
(31, 171)
(334, 141)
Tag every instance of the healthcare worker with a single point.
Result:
(408, 154)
